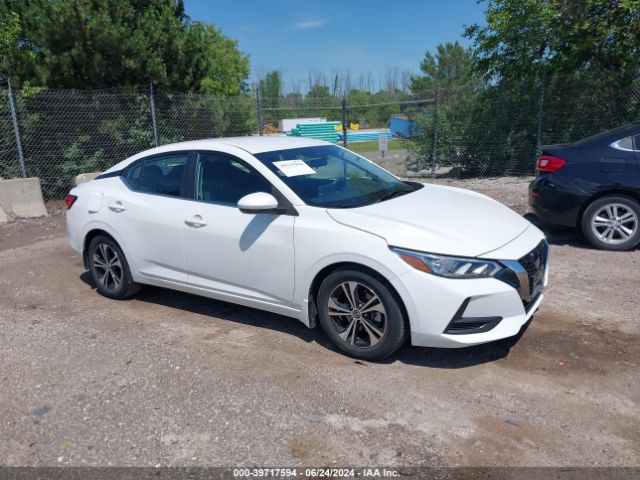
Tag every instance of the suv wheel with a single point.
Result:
(612, 223)
(109, 269)
(360, 315)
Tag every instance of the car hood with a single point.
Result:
(438, 219)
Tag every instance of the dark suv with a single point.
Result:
(593, 184)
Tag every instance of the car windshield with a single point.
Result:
(331, 177)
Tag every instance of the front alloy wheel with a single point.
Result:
(361, 314)
(357, 314)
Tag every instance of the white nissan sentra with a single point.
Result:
(310, 230)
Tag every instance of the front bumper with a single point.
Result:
(451, 313)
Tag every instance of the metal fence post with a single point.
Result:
(153, 113)
(539, 116)
(259, 111)
(344, 120)
(434, 140)
(16, 130)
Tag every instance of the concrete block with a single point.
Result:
(85, 177)
(3, 215)
(22, 197)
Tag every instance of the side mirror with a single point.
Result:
(259, 202)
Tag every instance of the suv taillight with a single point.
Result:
(548, 163)
(69, 200)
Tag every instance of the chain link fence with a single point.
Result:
(66, 132)
(498, 129)
(354, 113)
(469, 131)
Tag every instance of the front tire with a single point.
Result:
(360, 314)
(109, 269)
(612, 223)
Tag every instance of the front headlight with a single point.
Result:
(451, 267)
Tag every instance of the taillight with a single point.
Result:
(547, 163)
(69, 200)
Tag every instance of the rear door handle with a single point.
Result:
(117, 207)
(196, 221)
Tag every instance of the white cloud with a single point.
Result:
(308, 24)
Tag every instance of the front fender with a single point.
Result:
(390, 270)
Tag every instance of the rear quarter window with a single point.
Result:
(132, 176)
(624, 143)
(161, 175)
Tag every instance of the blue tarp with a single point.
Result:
(403, 127)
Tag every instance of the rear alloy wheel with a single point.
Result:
(360, 315)
(612, 223)
(109, 269)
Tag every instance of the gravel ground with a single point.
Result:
(168, 378)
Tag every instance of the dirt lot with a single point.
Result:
(172, 379)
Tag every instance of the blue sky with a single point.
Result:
(330, 36)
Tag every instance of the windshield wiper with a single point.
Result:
(386, 196)
(393, 194)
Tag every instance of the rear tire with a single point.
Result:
(612, 223)
(361, 315)
(109, 269)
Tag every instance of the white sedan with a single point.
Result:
(310, 230)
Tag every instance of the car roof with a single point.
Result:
(254, 144)
(613, 134)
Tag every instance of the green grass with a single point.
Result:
(372, 145)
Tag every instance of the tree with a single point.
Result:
(559, 71)
(449, 76)
(121, 43)
(98, 44)
(318, 91)
(270, 88)
(524, 37)
(224, 68)
(9, 31)
(450, 67)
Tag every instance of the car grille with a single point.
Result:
(535, 263)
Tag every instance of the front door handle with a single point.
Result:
(196, 221)
(117, 207)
